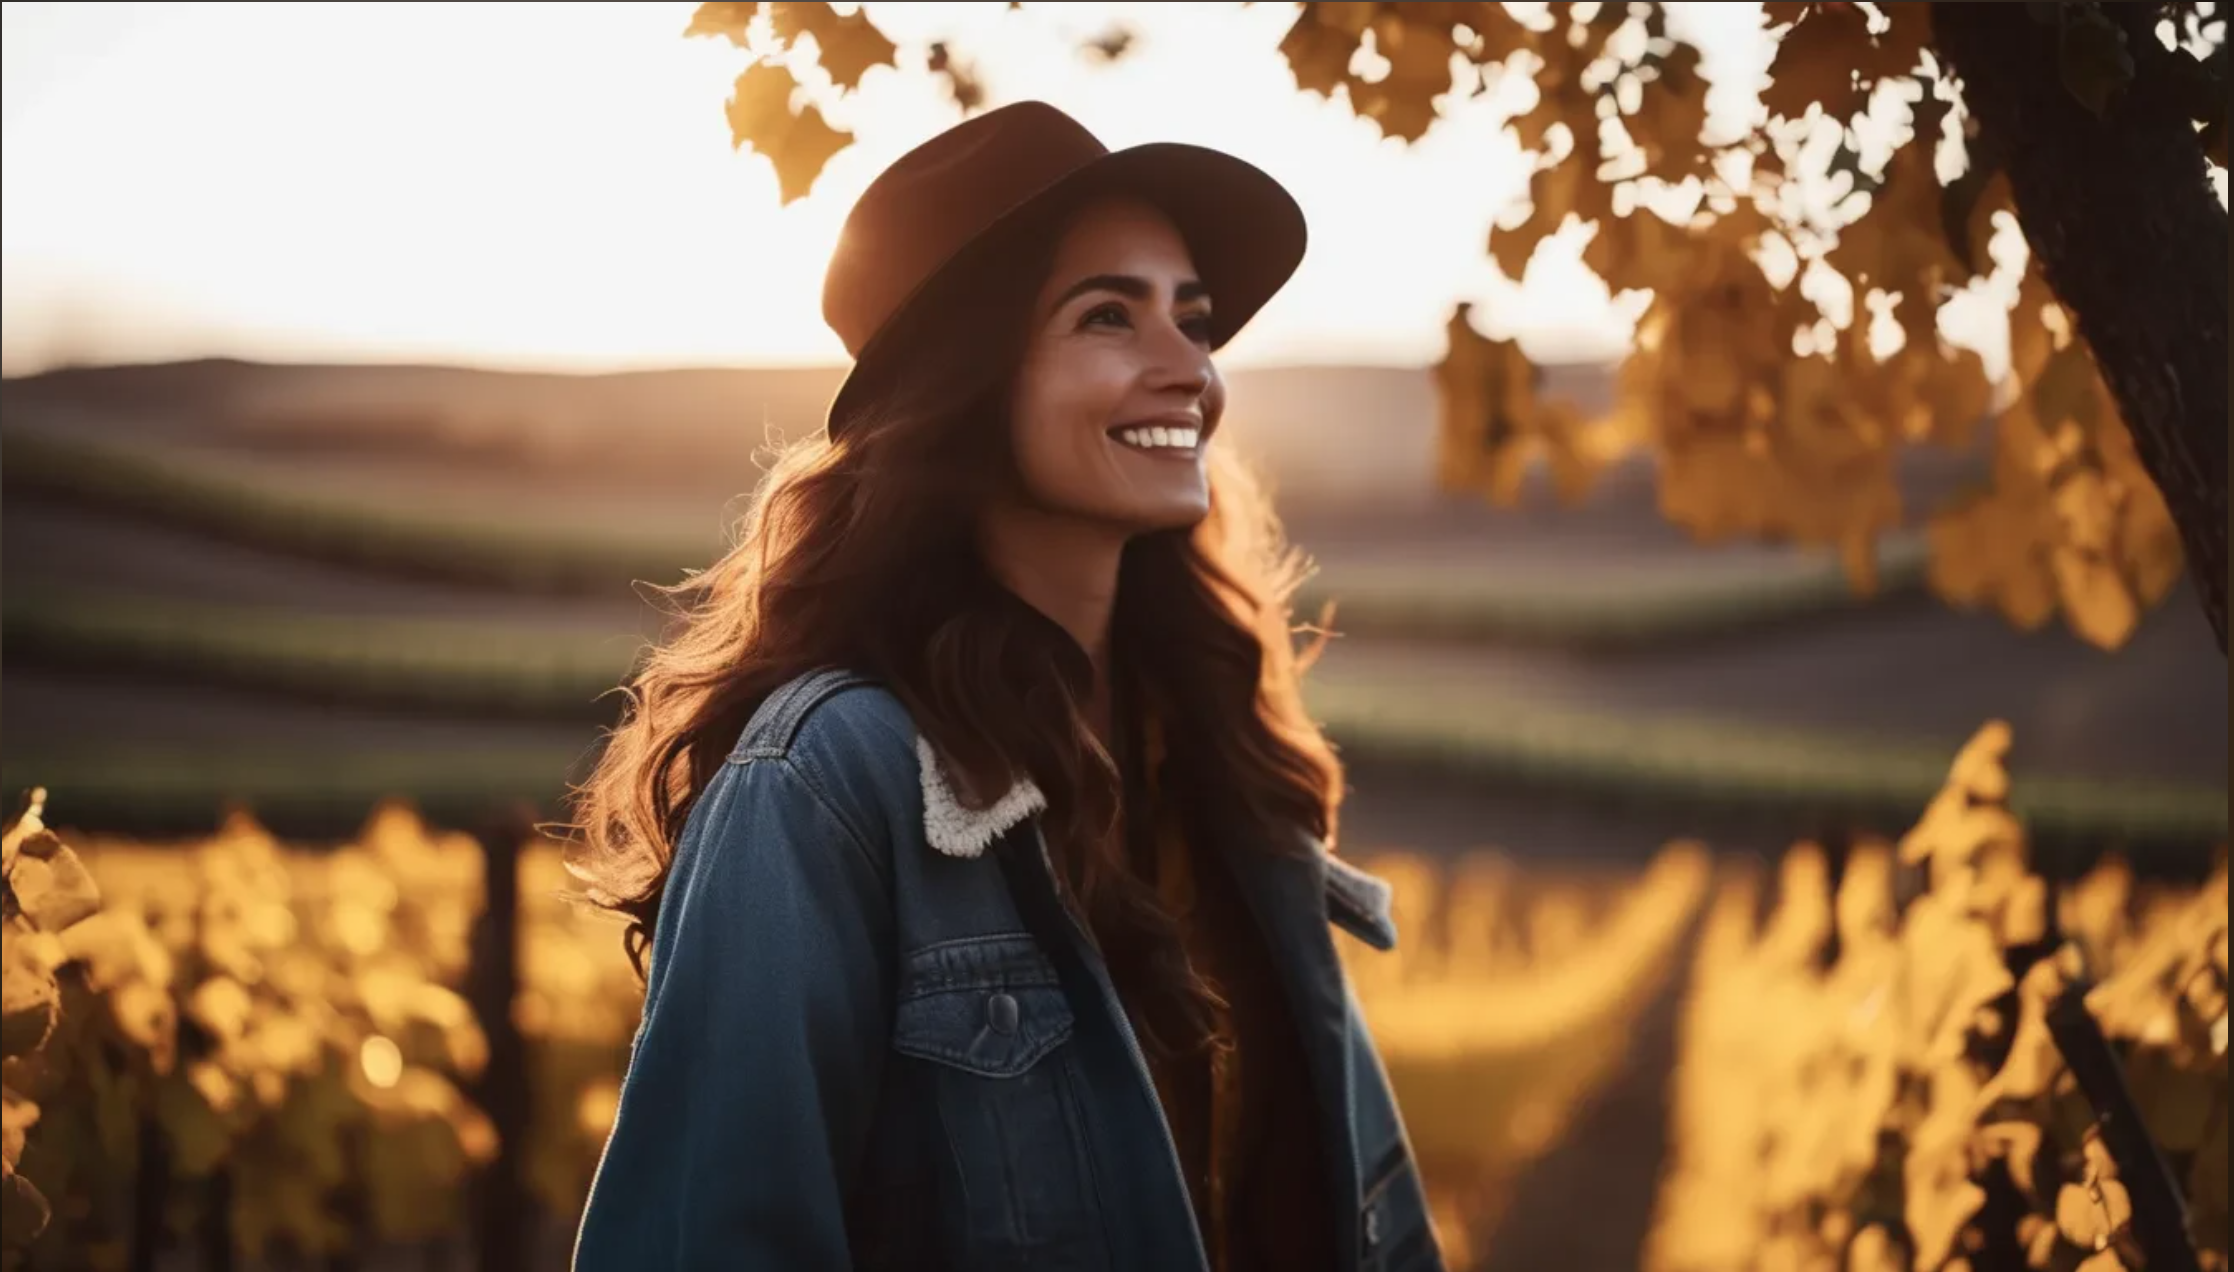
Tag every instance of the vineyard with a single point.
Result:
(1731, 941)
(255, 1051)
(306, 1033)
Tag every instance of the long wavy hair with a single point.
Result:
(861, 553)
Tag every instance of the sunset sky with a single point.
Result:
(553, 185)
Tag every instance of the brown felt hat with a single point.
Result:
(955, 201)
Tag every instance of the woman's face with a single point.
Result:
(1116, 395)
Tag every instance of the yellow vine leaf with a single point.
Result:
(50, 884)
(1815, 64)
(2090, 1212)
(798, 143)
(1403, 101)
(1875, 1097)
(1318, 51)
(1496, 425)
(727, 18)
(848, 45)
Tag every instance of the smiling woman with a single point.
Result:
(974, 827)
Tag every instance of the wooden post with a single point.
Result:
(506, 1221)
(2159, 1209)
(217, 1222)
(151, 1189)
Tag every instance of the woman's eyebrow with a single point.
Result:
(1132, 287)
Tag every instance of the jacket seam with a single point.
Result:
(823, 802)
(952, 941)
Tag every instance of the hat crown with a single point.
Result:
(935, 199)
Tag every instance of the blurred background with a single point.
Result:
(363, 360)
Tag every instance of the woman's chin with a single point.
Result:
(1177, 513)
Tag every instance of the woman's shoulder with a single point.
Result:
(831, 710)
(846, 736)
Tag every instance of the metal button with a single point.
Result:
(1000, 1013)
(1372, 1226)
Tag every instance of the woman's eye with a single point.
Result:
(1101, 315)
(1197, 327)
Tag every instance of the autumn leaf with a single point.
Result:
(1899, 48)
(1875, 1250)
(1815, 63)
(2088, 1216)
(2101, 607)
(1956, 969)
(222, 1006)
(2018, 1145)
(729, 20)
(2065, 390)
(1670, 133)
(1497, 34)
(1897, 245)
(1317, 52)
(17, 1115)
(849, 44)
(27, 997)
(1941, 1202)
(52, 887)
(1640, 249)
(146, 1017)
(115, 948)
(1419, 56)
(798, 144)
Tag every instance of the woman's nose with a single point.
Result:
(1180, 364)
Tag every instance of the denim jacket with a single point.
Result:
(872, 1037)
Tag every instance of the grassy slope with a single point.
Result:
(479, 666)
(523, 552)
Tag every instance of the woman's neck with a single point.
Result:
(1066, 568)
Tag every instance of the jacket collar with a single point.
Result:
(1359, 901)
(959, 830)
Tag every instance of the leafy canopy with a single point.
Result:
(1791, 347)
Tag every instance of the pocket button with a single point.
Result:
(1000, 1013)
(1372, 1227)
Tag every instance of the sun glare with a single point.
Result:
(553, 186)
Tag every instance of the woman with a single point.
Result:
(995, 930)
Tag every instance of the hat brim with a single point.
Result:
(1245, 231)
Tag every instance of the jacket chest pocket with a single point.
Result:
(989, 1017)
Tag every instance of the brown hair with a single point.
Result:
(859, 553)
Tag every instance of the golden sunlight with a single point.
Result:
(553, 185)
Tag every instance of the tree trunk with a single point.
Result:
(2130, 236)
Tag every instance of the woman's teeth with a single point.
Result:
(1158, 437)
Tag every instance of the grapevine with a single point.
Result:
(1912, 1107)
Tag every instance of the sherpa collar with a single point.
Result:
(957, 830)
